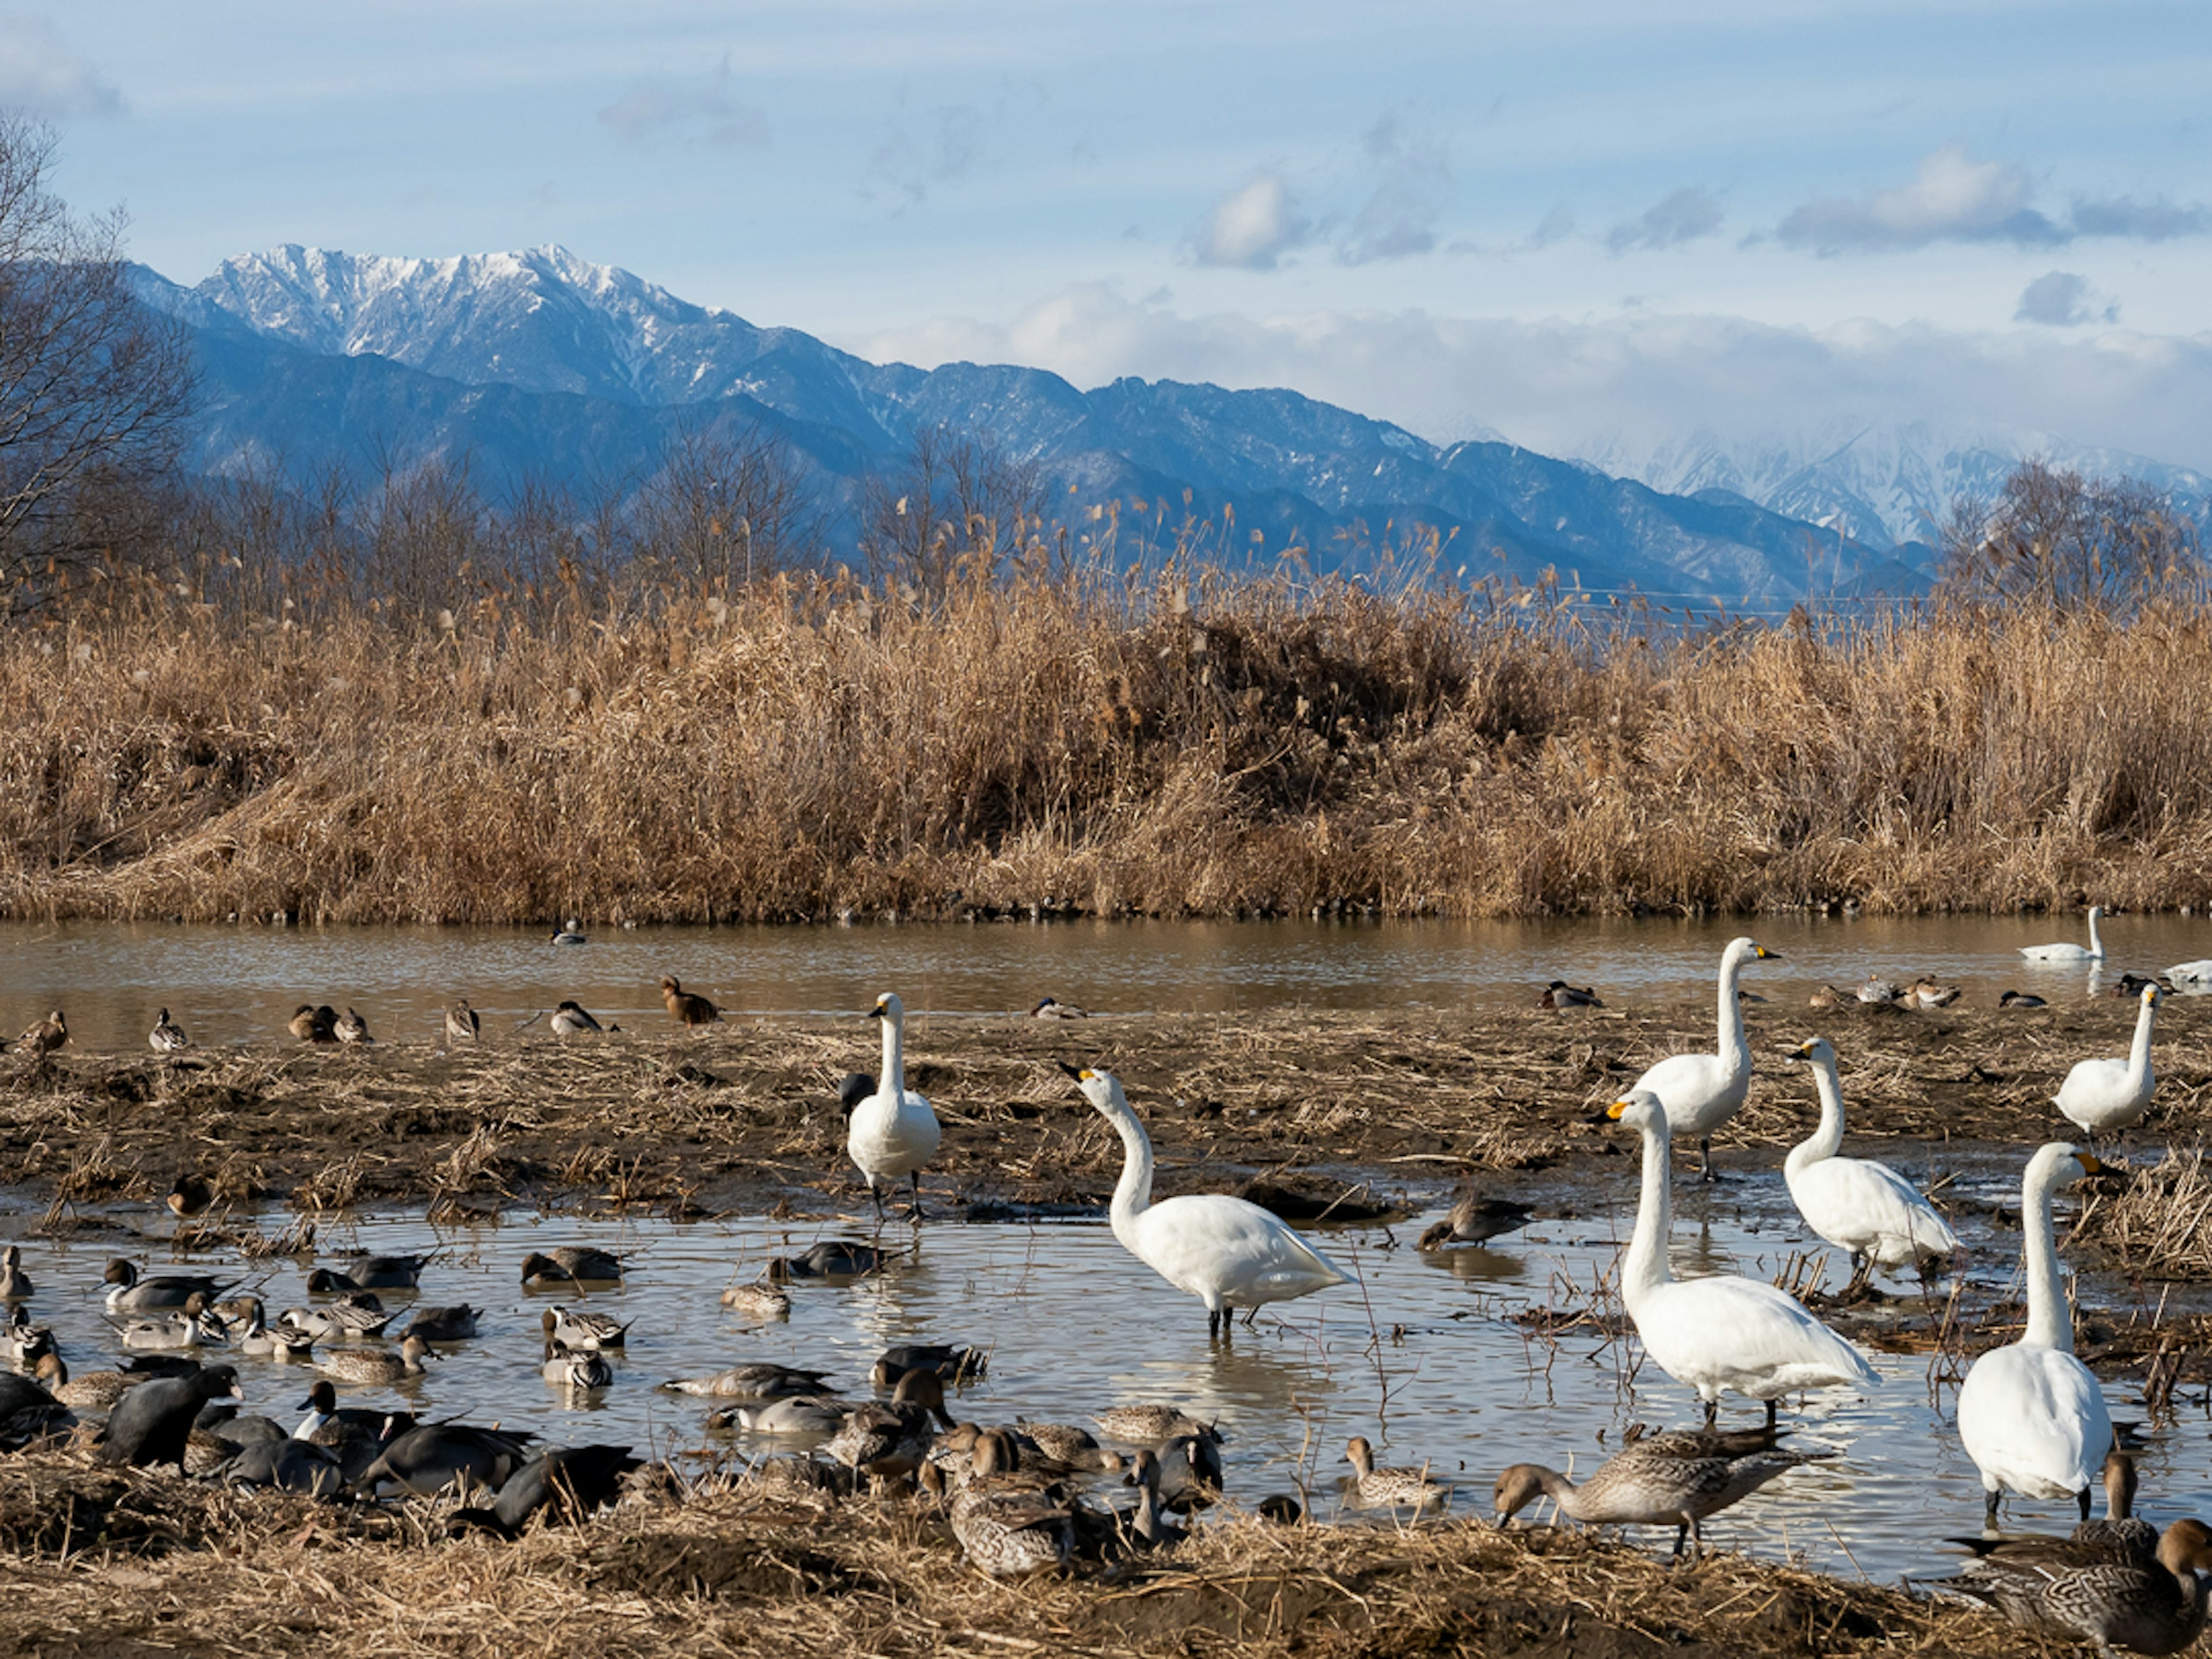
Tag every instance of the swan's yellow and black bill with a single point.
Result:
(1765, 955)
(2091, 1164)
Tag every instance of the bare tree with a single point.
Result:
(957, 501)
(2055, 537)
(94, 385)
(725, 509)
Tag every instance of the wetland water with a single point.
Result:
(240, 983)
(1073, 1323)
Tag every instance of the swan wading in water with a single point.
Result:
(1703, 1091)
(1227, 1252)
(2093, 951)
(1859, 1205)
(2101, 1095)
(1671, 1480)
(892, 1133)
(2030, 1415)
(1722, 1334)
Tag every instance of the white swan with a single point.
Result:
(892, 1133)
(1856, 1204)
(2096, 952)
(1722, 1334)
(2030, 1415)
(2102, 1095)
(1703, 1091)
(1226, 1251)
(2199, 972)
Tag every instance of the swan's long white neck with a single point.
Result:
(1644, 1269)
(2096, 943)
(2050, 1320)
(891, 1080)
(1133, 1194)
(1828, 1138)
(1735, 1048)
(2139, 1051)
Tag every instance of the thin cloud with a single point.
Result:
(914, 158)
(2060, 299)
(42, 78)
(1951, 198)
(1399, 219)
(1683, 216)
(2144, 222)
(1251, 227)
(694, 110)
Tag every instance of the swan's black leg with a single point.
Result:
(915, 1213)
(1989, 1510)
(1713, 1412)
(2082, 1498)
(1706, 1156)
(1769, 1417)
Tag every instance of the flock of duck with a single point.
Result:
(2029, 1414)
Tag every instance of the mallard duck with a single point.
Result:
(1227, 1252)
(314, 1025)
(691, 1012)
(1720, 1333)
(375, 1366)
(349, 1027)
(759, 1300)
(892, 1133)
(573, 1328)
(455, 1324)
(1672, 1479)
(1474, 1218)
(15, 1283)
(569, 1019)
(462, 1024)
(1700, 1092)
(761, 1383)
(568, 934)
(2030, 1414)
(2099, 1593)
(2094, 953)
(1561, 996)
(2101, 1095)
(1926, 992)
(167, 1037)
(41, 1039)
(1864, 1208)
(582, 1266)
(1401, 1488)
(887, 1440)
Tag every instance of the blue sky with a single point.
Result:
(1578, 223)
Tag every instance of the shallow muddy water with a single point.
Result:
(238, 984)
(1420, 1355)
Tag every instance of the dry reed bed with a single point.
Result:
(1186, 743)
(165, 1564)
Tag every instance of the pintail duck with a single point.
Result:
(351, 1028)
(195, 1325)
(314, 1025)
(15, 1283)
(1559, 995)
(191, 1195)
(1152, 1426)
(1054, 1008)
(893, 1133)
(1879, 992)
(1827, 996)
(1148, 1523)
(96, 1391)
(1401, 1488)
(1009, 1530)
(2100, 1593)
(583, 1330)
(570, 1019)
(42, 1039)
(581, 1266)
(1671, 1480)
(280, 1342)
(2021, 1001)
(375, 1367)
(578, 1371)
(462, 1024)
(21, 1341)
(884, 1441)
(167, 1037)
(129, 1293)
(946, 1363)
(568, 934)
(837, 1258)
(378, 1272)
(1475, 1218)
(352, 1316)
(758, 1383)
(691, 1012)
(2120, 1527)
(797, 1414)
(759, 1300)
(455, 1324)
(1066, 1444)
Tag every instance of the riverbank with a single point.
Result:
(1078, 744)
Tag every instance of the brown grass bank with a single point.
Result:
(1181, 745)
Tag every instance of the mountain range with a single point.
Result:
(537, 366)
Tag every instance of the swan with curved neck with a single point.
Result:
(892, 1133)
(1703, 1091)
(2101, 1095)
(2030, 1414)
(2070, 952)
(1722, 1334)
(1227, 1252)
(1859, 1205)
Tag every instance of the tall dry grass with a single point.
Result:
(1172, 743)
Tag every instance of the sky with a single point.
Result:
(1597, 227)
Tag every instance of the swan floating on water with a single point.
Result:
(2094, 953)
